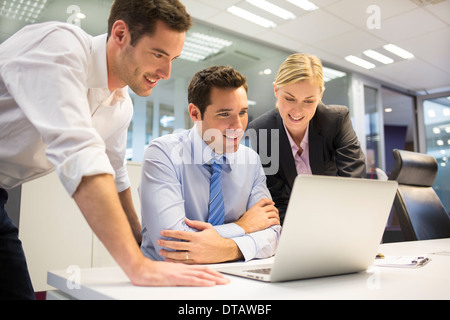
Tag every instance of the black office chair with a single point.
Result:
(420, 212)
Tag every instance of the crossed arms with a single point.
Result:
(174, 227)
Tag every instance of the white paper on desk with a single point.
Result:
(402, 261)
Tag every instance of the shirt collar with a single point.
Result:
(98, 72)
(118, 95)
(202, 153)
(304, 143)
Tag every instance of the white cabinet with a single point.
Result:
(55, 234)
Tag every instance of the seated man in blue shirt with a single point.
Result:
(176, 174)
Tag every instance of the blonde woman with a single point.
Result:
(313, 138)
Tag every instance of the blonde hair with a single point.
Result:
(298, 67)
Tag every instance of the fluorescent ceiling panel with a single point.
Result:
(304, 4)
(22, 10)
(398, 51)
(360, 62)
(331, 74)
(247, 15)
(378, 56)
(273, 9)
(199, 46)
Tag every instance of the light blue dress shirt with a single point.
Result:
(175, 185)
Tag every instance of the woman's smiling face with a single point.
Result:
(297, 104)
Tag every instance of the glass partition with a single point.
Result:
(400, 130)
(373, 129)
(166, 107)
(436, 114)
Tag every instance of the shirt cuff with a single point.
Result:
(122, 180)
(86, 162)
(247, 246)
(260, 244)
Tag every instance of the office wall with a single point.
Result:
(54, 233)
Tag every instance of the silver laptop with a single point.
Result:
(332, 226)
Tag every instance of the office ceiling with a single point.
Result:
(345, 27)
(337, 29)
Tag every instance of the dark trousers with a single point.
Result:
(15, 282)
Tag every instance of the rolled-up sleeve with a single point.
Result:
(53, 76)
(116, 146)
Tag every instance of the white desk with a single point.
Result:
(429, 282)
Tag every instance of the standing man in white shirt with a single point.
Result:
(64, 105)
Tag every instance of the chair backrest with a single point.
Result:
(381, 175)
(420, 212)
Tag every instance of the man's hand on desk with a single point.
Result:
(158, 273)
(205, 246)
(97, 199)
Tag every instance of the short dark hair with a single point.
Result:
(141, 16)
(203, 81)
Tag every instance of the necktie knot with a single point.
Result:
(216, 167)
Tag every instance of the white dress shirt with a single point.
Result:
(175, 185)
(56, 110)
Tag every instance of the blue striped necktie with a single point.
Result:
(216, 209)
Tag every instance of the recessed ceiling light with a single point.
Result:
(304, 4)
(81, 15)
(398, 51)
(360, 62)
(247, 15)
(378, 56)
(265, 72)
(273, 9)
(388, 110)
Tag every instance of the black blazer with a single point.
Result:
(334, 149)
